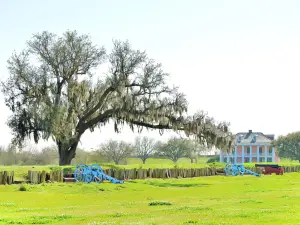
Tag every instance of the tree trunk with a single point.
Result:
(144, 160)
(67, 152)
(196, 159)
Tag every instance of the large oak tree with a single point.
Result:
(53, 91)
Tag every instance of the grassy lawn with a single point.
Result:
(208, 200)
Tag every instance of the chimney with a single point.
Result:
(250, 131)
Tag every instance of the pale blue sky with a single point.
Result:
(238, 60)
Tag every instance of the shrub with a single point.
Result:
(155, 203)
(22, 188)
(214, 159)
(68, 170)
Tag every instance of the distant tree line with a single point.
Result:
(288, 146)
(13, 156)
(111, 151)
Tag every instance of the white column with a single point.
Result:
(243, 154)
(257, 153)
(221, 156)
(250, 157)
(266, 152)
(235, 153)
(273, 154)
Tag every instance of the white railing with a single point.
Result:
(269, 155)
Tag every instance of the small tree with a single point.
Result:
(144, 148)
(116, 150)
(193, 149)
(174, 149)
(289, 146)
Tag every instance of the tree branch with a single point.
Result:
(98, 105)
(101, 118)
(159, 126)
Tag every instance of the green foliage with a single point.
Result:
(289, 146)
(68, 170)
(214, 159)
(222, 165)
(159, 203)
(22, 188)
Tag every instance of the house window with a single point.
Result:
(261, 159)
(269, 159)
(260, 150)
(248, 150)
(246, 160)
(270, 150)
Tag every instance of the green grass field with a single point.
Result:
(264, 200)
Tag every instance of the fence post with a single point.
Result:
(1, 177)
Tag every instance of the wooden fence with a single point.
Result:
(128, 174)
(37, 177)
(6, 177)
(131, 174)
